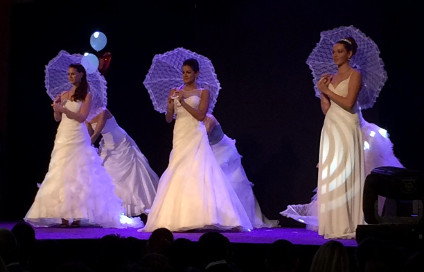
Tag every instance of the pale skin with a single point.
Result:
(341, 58)
(100, 119)
(189, 88)
(74, 78)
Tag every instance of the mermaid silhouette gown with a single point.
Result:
(193, 192)
(76, 185)
(135, 180)
(228, 157)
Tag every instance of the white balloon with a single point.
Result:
(90, 62)
(98, 40)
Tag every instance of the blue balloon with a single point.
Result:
(98, 40)
(90, 62)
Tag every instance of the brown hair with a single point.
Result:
(193, 63)
(350, 44)
(82, 89)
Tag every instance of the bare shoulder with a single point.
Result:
(204, 92)
(356, 72)
(356, 76)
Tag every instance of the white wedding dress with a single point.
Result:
(341, 174)
(135, 180)
(378, 151)
(193, 191)
(228, 157)
(77, 186)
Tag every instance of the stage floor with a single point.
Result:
(298, 236)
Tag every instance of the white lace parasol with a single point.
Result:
(165, 74)
(367, 60)
(56, 81)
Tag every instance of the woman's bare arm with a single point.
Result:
(199, 113)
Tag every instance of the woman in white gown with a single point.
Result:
(193, 191)
(341, 159)
(135, 180)
(76, 187)
(225, 151)
(350, 149)
(378, 151)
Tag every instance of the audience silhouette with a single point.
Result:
(282, 257)
(331, 257)
(9, 251)
(20, 251)
(25, 237)
(216, 252)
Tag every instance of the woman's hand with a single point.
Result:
(171, 96)
(57, 106)
(57, 109)
(177, 95)
(323, 83)
(170, 105)
(57, 99)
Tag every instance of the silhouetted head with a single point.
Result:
(282, 256)
(160, 241)
(8, 246)
(24, 233)
(331, 256)
(214, 246)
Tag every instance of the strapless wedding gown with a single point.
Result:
(76, 185)
(193, 191)
(135, 180)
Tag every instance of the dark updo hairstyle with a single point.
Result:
(193, 63)
(82, 89)
(350, 44)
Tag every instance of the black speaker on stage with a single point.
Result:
(398, 234)
(402, 217)
(404, 192)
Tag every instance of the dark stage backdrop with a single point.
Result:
(258, 48)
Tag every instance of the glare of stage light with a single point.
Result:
(383, 132)
(366, 145)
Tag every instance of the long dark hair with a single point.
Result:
(82, 89)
